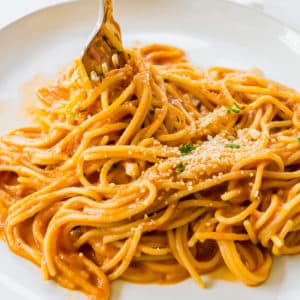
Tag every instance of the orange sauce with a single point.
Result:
(29, 90)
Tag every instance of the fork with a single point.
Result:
(105, 51)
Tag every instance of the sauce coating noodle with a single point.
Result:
(158, 172)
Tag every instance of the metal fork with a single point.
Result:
(105, 50)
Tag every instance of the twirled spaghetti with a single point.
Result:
(156, 172)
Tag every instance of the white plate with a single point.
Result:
(213, 33)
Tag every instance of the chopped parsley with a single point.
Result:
(235, 108)
(233, 146)
(75, 77)
(180, 168)
(298, 139)
(186, 149)
(75, 80)
(152, 111)
(74, 116)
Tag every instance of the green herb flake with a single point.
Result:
(180, 168)
(75, 80)
(74, 116)
(186, 149)
(235, 108)
(233, 146)
(298, 139)
(152, 111)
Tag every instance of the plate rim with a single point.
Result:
(228, 2)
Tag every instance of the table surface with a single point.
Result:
(286, 11)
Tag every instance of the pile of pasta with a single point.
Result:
(155, 172)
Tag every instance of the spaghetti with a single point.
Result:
(157, 172)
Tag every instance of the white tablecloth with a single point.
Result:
(287, 11)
